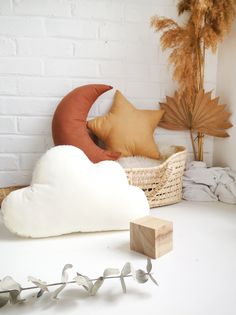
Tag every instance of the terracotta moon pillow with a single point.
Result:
(69, 122)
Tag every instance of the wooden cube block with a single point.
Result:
(151, 236)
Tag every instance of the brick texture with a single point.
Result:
(49, 47)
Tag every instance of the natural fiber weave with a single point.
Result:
(6, 191)
(162, 184)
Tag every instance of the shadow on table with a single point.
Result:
(124, 248)
(70, 300)
(6, 235)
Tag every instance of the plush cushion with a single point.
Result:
(128, 130)
(69, 194)
(69, 122)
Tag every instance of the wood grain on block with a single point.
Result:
(151, 236)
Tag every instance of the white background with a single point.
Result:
(197, 278)
(225, 149)
(49, 47)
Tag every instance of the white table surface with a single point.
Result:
(197, 278)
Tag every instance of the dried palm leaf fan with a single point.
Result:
(204, 116)
(207, 24)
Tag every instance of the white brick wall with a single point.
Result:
(48, 47)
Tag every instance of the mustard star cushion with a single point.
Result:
(126, 129)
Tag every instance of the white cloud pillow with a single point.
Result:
(68, 193)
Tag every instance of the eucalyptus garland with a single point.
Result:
(10, 290)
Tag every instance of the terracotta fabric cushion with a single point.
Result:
(128, 130)
(69, 122)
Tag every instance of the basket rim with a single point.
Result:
(12, 187)
(181, 150)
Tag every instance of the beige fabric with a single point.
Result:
(128, 130)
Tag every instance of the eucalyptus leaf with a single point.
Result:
(84, 281)
(40, 293)
(149, 265)
(42, 285)
(133, 272)
(153, 279)
(126, 269)
(8, 283)
(80, 280)
(97, 285)
(4, 298)
(64, 275)
(64, 278)
(141, 276)
(57, 291)
(89, 284)
(122, 281)
(15, 297)
(110, 272)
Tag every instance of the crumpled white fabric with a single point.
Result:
(201, 183)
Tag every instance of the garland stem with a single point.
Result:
(68, 282)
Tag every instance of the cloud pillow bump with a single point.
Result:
(68, 193)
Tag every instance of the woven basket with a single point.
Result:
(6, 191)
(162, 184)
